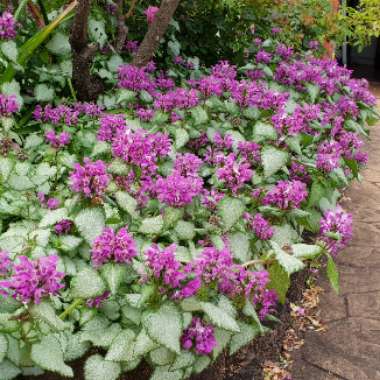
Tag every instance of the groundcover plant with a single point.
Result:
(163, 223)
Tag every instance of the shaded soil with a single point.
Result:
(244, 365)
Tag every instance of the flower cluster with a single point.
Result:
(260, 226)
(65, 114)
(199, 336)
(119, 247)
(286, 195)
(7, 26)
(8, 105)
(30, 281)
(63, 227)
(110, 127)
(91, 179)
(50, 203)
(336, 229)
(57, 141)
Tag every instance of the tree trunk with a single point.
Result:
(86, 85)
(155, 32)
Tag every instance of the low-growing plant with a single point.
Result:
(163, 224)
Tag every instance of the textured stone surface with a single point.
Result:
(350, 349)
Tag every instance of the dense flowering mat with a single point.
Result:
(163, 224)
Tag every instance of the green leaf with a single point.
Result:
(20, 182)
(306, 251)
(127, 203)
(201, 363)
(114, 274)
(46, 313)
(90, 223)
(184, 360)
(96, 368)
(279, 281)
(9, 49)
(273, 160)
(59, 44)
(3, 347)
(222, 337)
(219, 317)
(185, 230)
(165, 327)
(264, 131)
(97, 32)
(290, 263)
(333, 274)
(48, 355)
(152, 225)
(43, 93)
(69, 243)
(122, 347)
(51, 217)
(199, 115)
(75, 348)
(181, 138)
(87, 284)
(143, 344)
(246, 335)
(313, 91)
(239, 244)
(8, 370)
(165, 373)
(230, 210)
(162, 356)
(284, 235)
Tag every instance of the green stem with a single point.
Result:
(73, 93)
(71, 308)
(20, 8)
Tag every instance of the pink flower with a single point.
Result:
(150, 13)
(32, 280)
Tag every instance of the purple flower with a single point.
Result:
(276, 30)
(97, 301)
(178, 98)
(91, 179)
(177, 190)
(328, 156)
(199, 336)
(63, 227)
(314, 45)
(5, 264)
(260, 226)
(284, 51)
(134, 78)
(7, 26)
(234, 173)
(187, 164)
(145, 114)
(141, 148)
(211, 198)
(52, 203)
(286, 194)
(336, 229)
(164, 265)
(8, 105)
(57, 141)
(32, 280)
(110, 126)
(150, 13)
(119, 247)
(132, 46)
(263, 57)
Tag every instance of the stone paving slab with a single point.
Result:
(350, 349)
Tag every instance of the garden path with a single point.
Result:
(350, 349)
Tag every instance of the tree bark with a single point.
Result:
(122, 29)
(155, 32)
(86, 85)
